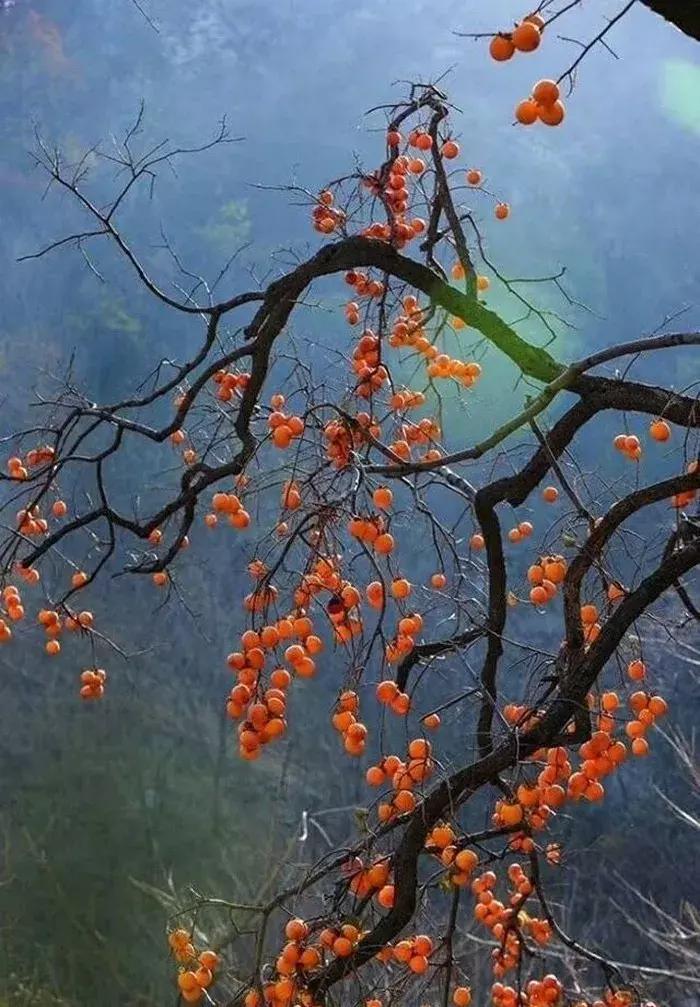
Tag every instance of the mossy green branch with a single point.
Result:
(354, 252)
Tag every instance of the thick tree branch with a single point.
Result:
(462, 784)
(684, 14)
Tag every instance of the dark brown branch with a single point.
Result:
(355, 252)
(597, 39)
(557, 469)
(485, 509)
(433, 649)
(608, 968)
(685, 598)
(601, 534)
(447, 204)
(601, 393)
(462, 784)
(684, 14)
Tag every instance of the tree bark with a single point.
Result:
(684, 14)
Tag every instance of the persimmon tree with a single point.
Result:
(345, 474)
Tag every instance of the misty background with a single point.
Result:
(109, 812)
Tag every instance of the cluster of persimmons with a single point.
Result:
(333, 601)
(544, 104)
(197, 973)
(274, 653)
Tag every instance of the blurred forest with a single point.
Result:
(112, 815)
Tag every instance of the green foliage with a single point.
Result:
(115, 317)
(228, 228)
(23, 992)
(102, 806)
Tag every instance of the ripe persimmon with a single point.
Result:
(419, 748)
(659, 430)
(375, 776)
(204, 977)
(296, 929)
(535, 574)
(466, 860)
(461, 996)
(589, 614)
(640, 747)
(636, 670)
(546, 92)
(383, 497)
(527, 37)
(342, 947)
(386, 691)
(400, 704)
(384, 544)
(527, 112)
(404, 801)
(501, 48)
(551, 115)
(555, 570)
